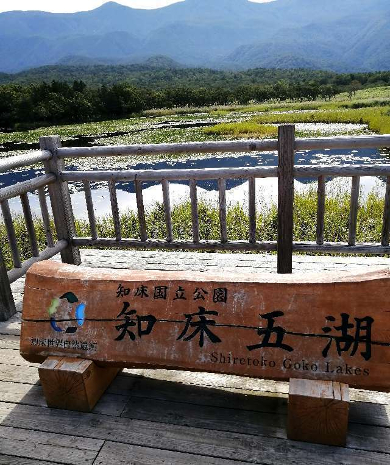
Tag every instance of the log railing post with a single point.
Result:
(7, 304)
(353, 212)
(286, 151)
(386, 216)
(60, 201)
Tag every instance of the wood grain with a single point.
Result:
(49, 252)
(184, 147)
(300, 171)
(47, 446)
(26, 186)
(169, 425)
(141, 211)
(113, 453)
(115, 210)
(9, 225)
(222, 210)
(154, 319)
(386, 215)
(252, 209)
(90, 209)
(167, 209)
(45, 216)
(353, 211)
(318, 412)
(60, 200)
(27, 159)
(194, 211)
(7, 304)
(29, 224)
(285, 197)
(74, 384)
(320, 210)
(185, 245)
(225, 146)
(172, 174)
(264, 446)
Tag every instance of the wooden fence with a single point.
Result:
(56, 178)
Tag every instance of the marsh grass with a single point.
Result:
(245, 127)
(369, 106)
(305, 214)
(377, 118)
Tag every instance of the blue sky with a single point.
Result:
(67, 6)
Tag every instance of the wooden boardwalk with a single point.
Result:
(172, 417)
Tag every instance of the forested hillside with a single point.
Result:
(160, 72)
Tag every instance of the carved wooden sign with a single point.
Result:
(324, 326)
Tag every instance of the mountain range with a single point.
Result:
(336, 35)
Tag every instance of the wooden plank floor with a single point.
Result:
(172, 417)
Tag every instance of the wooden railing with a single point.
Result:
(56, 178)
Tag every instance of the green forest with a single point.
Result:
(26, 106)
(161, 72)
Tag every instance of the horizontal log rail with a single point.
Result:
(368, 248)
(27, 159)
(343, 142)
(244, 246)
(153, 149)
(175, 245)
(226, 173)
(46, 254)
(170, 174)
(341, 171)
(26, 186)
(238, 246)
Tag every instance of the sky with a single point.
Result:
(70, 6)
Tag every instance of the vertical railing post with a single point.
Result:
(353, 211)
(320, 210)
(386, 216)
(286, 152)
(7, 304)
(60, 201)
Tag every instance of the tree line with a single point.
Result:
(23, 107)
(165, 75)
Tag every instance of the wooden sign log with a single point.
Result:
(325, 326)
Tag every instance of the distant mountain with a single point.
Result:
(339, 35)
(362, 44)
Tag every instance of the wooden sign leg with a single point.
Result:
(318, 412)
(73, 383)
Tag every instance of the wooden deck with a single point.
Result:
(172, 417)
